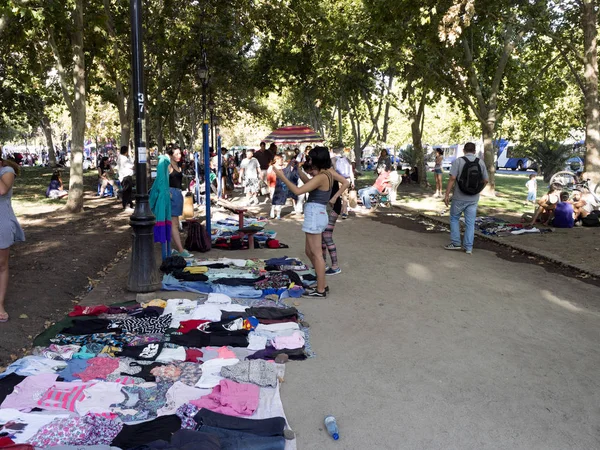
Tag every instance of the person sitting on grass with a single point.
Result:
(55, 188)
(406, 176)
(379, 187)
(105, 175)
(583, 204)
(563, 213)
(547, 205)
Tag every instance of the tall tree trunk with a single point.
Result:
(340, 125)
(47, 127)
(592, 113)
(355, 121)
(159, 135)
(124, 106)
(386, 114)
(75, 202)
(487, 133)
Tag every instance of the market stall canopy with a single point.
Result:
(294, 135)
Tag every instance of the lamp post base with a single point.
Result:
(143, 273)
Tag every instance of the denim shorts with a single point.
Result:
(176, 202)
(531, 197)
(315, 218)
(438, 171)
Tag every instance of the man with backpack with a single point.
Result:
(470, 177)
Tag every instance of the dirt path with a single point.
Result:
(62, 257)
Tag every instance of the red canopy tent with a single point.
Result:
(293, 135)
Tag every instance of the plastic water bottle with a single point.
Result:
(332, 427)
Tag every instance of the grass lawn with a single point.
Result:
(29, 192)
(511, 194)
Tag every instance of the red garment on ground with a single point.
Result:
(188, 325)
(88, 310)
(6, 441)
(193, 355)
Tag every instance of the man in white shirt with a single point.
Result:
(125, 169)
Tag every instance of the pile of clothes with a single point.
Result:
(225, 234)
(493, 226)
(167, 374)
(238, 278)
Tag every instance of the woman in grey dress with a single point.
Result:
(10, 230)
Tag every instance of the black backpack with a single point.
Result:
(592, 219)
(197, 239)
(470, 180)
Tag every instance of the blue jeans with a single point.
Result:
(469, 209)
(365, 195)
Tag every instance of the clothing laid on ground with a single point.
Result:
(26, 394)
(7, 385)
(132, 436)
(258, 372)
(231, 398)
(211, 372)
(81, 431)
(199, 339)
(20, 426)
(261, 427)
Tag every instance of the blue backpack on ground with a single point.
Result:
(470, 180)
(343, 167)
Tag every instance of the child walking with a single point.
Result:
(531, 189)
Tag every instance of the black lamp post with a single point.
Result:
(143, 274)
(203, 77)
(211, 109)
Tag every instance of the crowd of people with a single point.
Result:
(560, 208)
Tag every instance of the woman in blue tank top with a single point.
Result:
(316, 218)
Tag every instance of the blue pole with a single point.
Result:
(197, 171)
(219, 168)
(206, 174)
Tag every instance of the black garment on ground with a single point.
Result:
(237, 281)
(144, 313)
(145, 373)
(172, 263)
(185, 276)
(195, 440)
(127, 188)
(222, 328)
(8, 383)
(215, 266)
(271, 312)
(198, 339)
(237, 440)
(148, 352)
(91, 326)
(309, 277)
(297, 354)
(273, 426)
(192, 440)
(293, 276)
(143, 433)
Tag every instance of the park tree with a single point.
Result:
(64, 25)
(573, 27)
